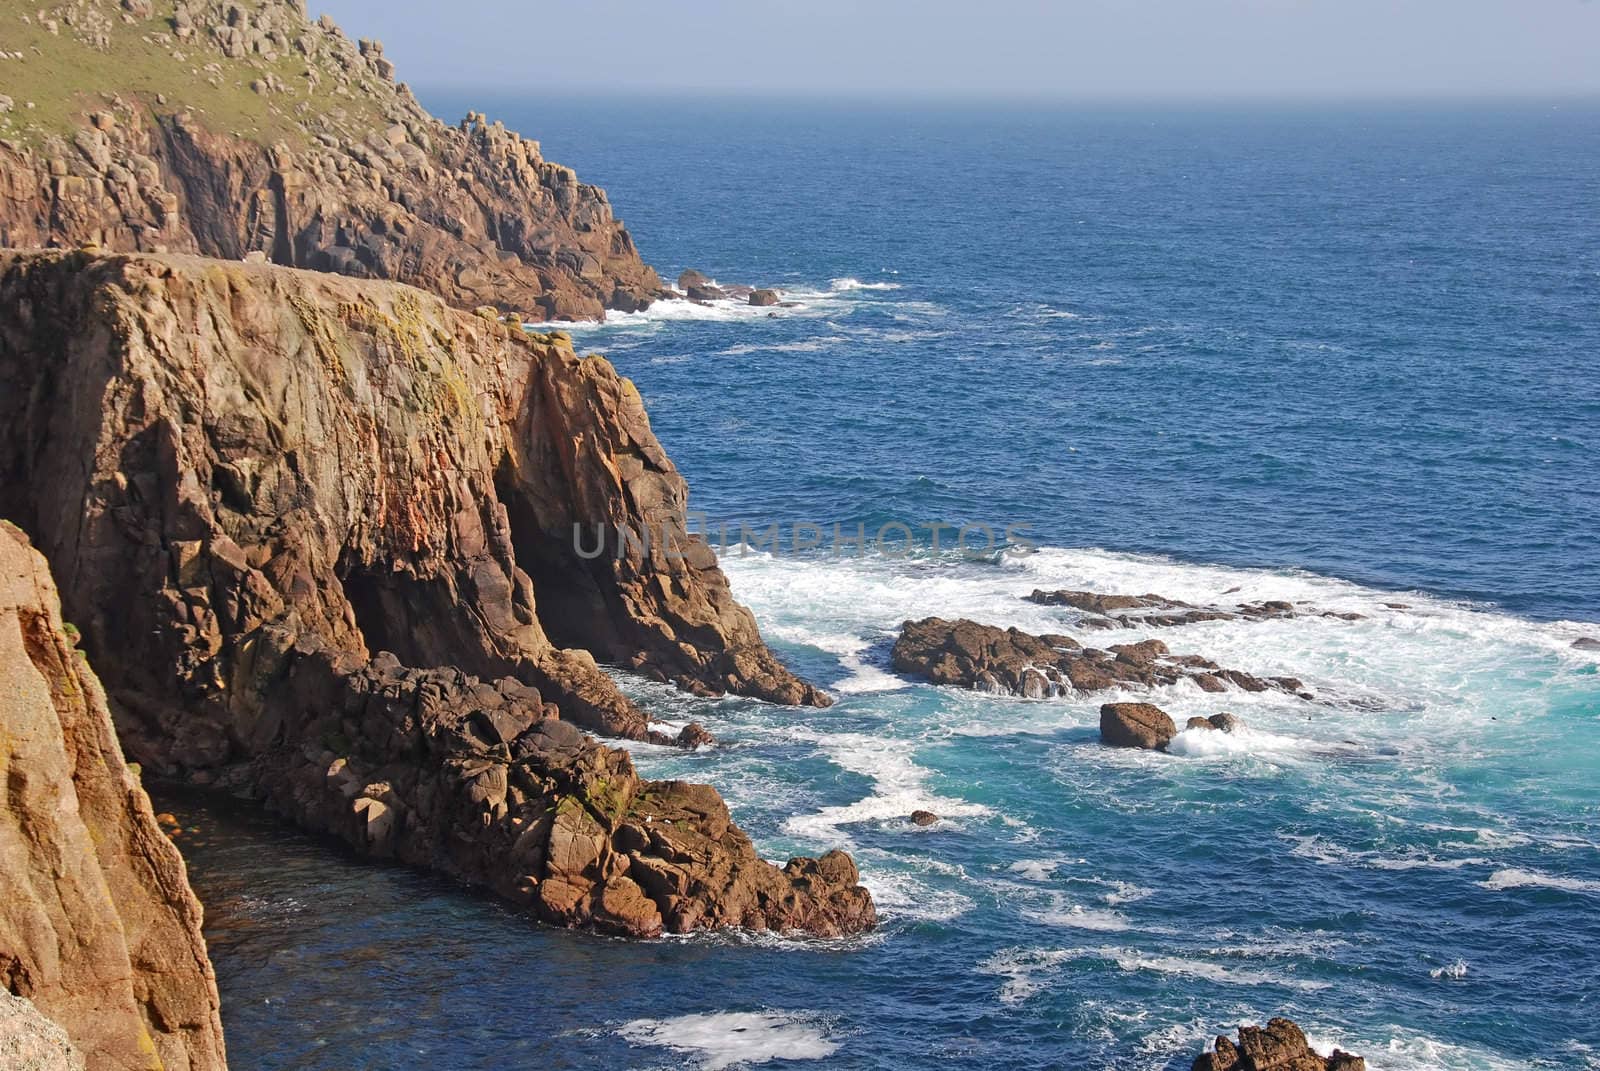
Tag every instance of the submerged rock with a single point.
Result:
(1138, 725)
(98, 926)
(1013, 662)
(1158, 611)
(1223, 722)
(1586, 643)
(1279, 1046)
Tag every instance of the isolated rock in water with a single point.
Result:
(923, 818)
(98, 926)
(694, 735)
(1279, 1046)
(763, 297)
(690, 278)
(1158, 611)
(1013, 662)
(344, 171)
(1136, 725)
(1223, 722)
(706, 293)
(320, 539)
(1586, 643)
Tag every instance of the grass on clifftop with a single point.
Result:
(65, 78)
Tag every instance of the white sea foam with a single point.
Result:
(1036, 869)
(1406, 1050)
(1514, 878)
(1321, 850)
(1455, 971)
(903, 894)
(804, 345)
(850, 283)
(899, 788)
(1125, 892)
(1211, 743)
(717, 1040)
(1078, 917)
(1026, 970)
(1207, 970)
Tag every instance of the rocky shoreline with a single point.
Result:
(364, 644)
(312, 493)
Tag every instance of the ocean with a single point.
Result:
(1344, 355)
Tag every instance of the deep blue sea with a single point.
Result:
(1342, 355)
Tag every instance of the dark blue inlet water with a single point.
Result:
(1319, 354)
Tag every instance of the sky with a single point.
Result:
(1192, 49)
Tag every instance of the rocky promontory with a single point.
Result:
(1012, 662)
(98, 927)
(240, 128)
(322, 537)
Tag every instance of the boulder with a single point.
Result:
(763, 297)
(922, 818)
(706, 293)
(1138, 725)
(694, 735)
(1279, 1046)
(1224, 721)
(690, 278)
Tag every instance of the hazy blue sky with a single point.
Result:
(1080, 48)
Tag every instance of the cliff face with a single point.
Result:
(235, 127)
(251, 481)
(98, 926)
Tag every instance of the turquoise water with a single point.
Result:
(1344, 357)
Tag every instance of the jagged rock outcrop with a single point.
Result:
(251, 481)
(1104, 611)
(1278, 1046)
(282, 137)
(1012, 662)
(98, 926)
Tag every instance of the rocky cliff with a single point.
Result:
(98, 926)
(236, 128)
(318, 533)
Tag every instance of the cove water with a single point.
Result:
(1345, 356)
